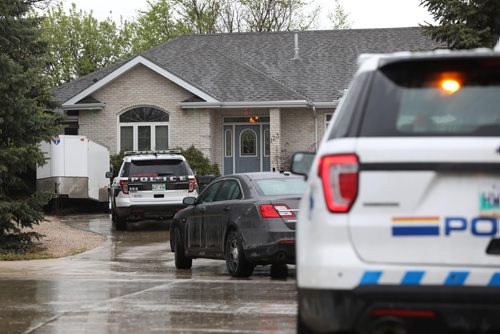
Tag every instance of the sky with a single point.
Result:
(362, 13)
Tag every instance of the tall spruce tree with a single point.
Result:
(25, 120)
(464, 24)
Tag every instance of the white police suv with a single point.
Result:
(398, 229)
(150, 185)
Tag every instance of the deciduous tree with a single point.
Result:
(79, 44)
(339, 17)
(156, 25)
(277, 15)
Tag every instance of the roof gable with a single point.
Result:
(97, 84)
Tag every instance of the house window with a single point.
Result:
(143, 129)
(228, 138)
(328, 118)
(267, 142)
(248, 143)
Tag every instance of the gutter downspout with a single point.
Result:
(315, 113)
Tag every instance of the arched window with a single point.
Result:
(228, 143)
(143, 129)
(248, 143)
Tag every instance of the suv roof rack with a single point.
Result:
(127, 153)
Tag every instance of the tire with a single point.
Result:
(181, 260)
(121, 223)
(108, 207)
(236, 263)
(113, 216)
(301, 326)
(279, 271)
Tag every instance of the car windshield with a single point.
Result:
(281, 186)
(435, 98)
(140, 168)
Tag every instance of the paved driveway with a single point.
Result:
(130, 285)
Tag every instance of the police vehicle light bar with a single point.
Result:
(127, 153)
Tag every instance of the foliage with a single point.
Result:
(199, 163)
(79, 44)
(167, 19)
(277, 15)
(116, 162)
(199, 16)
(24, 122)
(155, 26)
(464, 24)
(339, 18)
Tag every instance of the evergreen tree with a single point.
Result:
(464, 24)
(24, 122)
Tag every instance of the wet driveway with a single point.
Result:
(130, 285)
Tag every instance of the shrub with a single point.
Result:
(199, 163)
(116, 162)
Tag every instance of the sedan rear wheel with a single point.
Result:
(181, 260)
(236, 263)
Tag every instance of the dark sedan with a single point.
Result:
(247, 219)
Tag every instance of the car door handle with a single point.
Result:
(227, 209)
(203, 209)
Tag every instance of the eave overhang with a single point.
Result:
(258, 104)
(84, 106)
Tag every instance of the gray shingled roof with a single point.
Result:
(259, 66)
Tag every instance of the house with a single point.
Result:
(246, 100)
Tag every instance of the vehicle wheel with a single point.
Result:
(121, 223)
(113, 216)
(108, 207)
(181, 260)
(279, 271)
(301, 326)
(390, 327)
(236, 263)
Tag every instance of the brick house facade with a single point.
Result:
(239, 98)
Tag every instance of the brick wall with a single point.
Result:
(143, 87)
(200, 127)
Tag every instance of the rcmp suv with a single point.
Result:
(150, 185)
(398, 230)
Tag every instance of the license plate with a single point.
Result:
(158, 186)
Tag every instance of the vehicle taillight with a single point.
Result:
(124, 186)
(276, 211)
(192, 185)
(339, 175)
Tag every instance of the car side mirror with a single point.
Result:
(189, 200)
(301, 162)
(109, 174)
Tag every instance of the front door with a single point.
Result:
(246, 148)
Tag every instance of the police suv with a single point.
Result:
(150, 185)
(398, 229)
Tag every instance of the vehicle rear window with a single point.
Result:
(282, 186)
(448, 97)
(140, 168)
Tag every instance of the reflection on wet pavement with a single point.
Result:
(130, 285)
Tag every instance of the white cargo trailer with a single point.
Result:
(75, 168)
